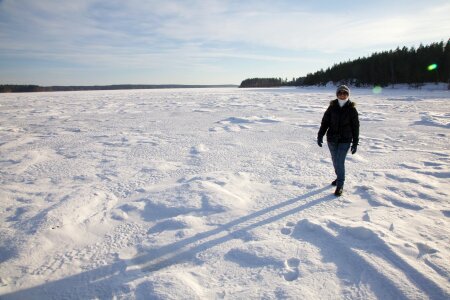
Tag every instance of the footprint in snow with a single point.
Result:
(197, 150)
(287, 230)
(366, 217)
(291, 269)
(424, 249)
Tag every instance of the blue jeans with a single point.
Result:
(338, 153)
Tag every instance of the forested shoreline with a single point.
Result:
(15, 88)
(430, 63)
(413, 66)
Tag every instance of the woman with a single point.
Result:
(341, 124)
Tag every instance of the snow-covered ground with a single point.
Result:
(222, 194)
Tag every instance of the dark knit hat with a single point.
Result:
(343, 88)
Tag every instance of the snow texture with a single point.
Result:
(222, 194)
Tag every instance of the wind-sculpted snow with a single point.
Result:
(222, 194)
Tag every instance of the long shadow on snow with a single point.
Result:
(104, 282)
(352, 267)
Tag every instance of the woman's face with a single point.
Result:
(342, 95)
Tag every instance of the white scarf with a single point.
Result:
(342, 102)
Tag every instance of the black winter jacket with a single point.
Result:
(340, 123)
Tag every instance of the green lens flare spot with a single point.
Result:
(377, 89)
(432, 67)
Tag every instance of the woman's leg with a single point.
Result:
(333, 151)
(341, 154)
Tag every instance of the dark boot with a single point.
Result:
(334, 182)
(338, 191)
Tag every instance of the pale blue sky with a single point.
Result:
(87, 42)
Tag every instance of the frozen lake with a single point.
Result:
(222, 194)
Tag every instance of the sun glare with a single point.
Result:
(432, 67)
(377, 89)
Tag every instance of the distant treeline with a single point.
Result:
(262, 82)
(11, 88)
(412, 66)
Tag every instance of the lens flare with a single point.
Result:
(377, 89)
(432, 67)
